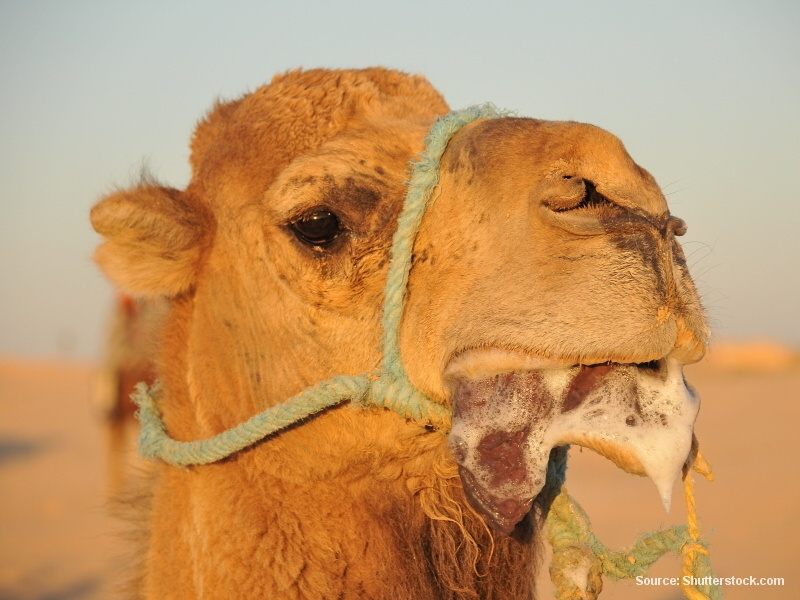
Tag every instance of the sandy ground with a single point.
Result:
(58, 543)
(56, 540)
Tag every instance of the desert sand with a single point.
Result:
(58, 541)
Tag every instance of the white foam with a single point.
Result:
(663, 412)
(579, 575)
(661, 437)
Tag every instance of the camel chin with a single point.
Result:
(511, 409)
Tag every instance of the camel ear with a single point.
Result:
(155, 237)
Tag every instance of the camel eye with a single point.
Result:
(318, 227)
(591, 199)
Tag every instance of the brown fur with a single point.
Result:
(353, 503)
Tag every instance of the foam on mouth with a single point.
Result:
(505, 425)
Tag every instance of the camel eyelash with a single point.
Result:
(591, 199)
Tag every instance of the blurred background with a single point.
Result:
(703, 94)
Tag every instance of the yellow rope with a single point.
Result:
(691, 550)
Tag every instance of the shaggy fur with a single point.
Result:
(358, 503)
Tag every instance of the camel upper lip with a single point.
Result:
(479, 363)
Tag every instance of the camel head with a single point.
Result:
(548, 302)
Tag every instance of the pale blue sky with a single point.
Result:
(705, 95)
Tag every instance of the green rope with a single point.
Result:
(576, 548)
(155, 442)
(424, 178)
(392, 389)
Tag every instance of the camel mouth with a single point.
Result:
(505, 422)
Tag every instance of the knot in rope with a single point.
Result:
(396, 393)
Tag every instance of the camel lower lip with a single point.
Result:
(502, 514)
(504, 426)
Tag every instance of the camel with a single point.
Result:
(128, 359)
(547, 297)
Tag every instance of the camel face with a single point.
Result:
(550, 303)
